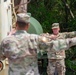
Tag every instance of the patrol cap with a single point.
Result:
(55, 25)
(23, 17)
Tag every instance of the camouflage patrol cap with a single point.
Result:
(23, 17)
(55, 25)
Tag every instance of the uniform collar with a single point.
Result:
(21, 31)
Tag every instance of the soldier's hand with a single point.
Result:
(12, 31)
(53, 37)
(28, 53)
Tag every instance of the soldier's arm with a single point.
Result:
(44, 43)
(69, 34)
(72, 41)
(55, 45)
(58, 45)
(63, 44)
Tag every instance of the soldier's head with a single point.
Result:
(23, 21)
(55, 28)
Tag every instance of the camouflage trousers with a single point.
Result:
(56, 67)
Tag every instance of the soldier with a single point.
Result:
(21, 48)
(56, 64)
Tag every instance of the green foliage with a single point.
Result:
(50, 11)
(71, 61)
(71, 69)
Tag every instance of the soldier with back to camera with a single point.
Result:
(21, 48)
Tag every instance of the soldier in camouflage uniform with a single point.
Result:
(56, 64)
(21, 49)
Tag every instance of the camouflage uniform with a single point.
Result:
(56, 60)
(16, 48)
(21, 50)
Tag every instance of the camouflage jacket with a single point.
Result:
(60, 54)
(21, 50)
